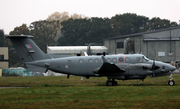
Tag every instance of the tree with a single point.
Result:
(58, 16)
(81, 31)
(64, 16)
(78, 16)
(23, 29)
(45, 33)
(1, 38)
(157, 23)
(131, 23)
(128, 23)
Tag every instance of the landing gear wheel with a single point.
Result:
(109, 83)
(114, 83)
(171, 82)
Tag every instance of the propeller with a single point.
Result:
(154, 67)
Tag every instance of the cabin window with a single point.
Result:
(121, 59)
(114, 60)
(96, 60)
(81, 61)
(138, 59)
(90, 61)
(69, 61)
(127, 59)
(108, 60)
(120, 45)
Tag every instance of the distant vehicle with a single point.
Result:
(120, 66)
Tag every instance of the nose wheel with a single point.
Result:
(171, 81)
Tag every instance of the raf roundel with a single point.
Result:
(66, 66)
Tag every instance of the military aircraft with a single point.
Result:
(119, 66)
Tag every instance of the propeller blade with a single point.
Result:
(153, 68)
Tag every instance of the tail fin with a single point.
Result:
(27, 50)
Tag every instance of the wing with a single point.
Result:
(108, 68)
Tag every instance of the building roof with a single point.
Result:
(137, 34)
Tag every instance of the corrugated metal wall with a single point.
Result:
(160, 45)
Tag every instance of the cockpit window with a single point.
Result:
(145, 58)
(138, 59)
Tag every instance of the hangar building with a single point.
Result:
(4, 58)
(162, 45)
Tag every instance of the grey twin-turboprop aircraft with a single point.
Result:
(120, 66)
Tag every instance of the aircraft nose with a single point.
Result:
(172, 68)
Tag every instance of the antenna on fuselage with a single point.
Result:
(104, 54)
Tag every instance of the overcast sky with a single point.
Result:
(14, 13)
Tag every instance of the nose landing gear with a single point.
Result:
(171, 81)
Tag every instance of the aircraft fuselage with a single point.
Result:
(135, 66)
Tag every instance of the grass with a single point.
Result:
(60, 92)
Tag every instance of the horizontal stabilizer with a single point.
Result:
(34, 68)
(19, 36)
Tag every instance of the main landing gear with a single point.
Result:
(111, 83)
(171, 81)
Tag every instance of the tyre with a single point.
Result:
(171, 82)
(109, 83)
(114, 83)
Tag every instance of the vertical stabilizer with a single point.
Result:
(27, 50)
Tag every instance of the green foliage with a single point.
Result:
(81, 31)
(128, 23)
(45, 33)
(157, 23)
(23, 29)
